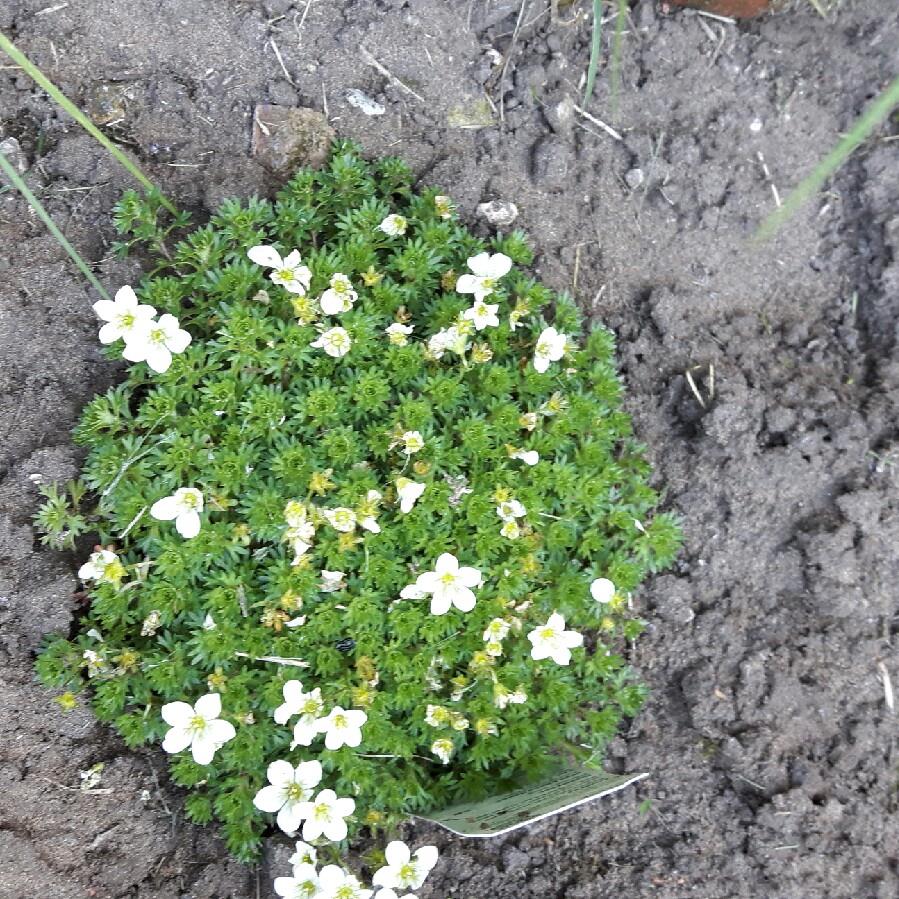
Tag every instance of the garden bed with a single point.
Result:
(769, 742)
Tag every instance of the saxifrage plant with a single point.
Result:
(368, 514)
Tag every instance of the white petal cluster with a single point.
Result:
(102, 567)
(146, 339)
(552, 641)
(398, 333)
(602, 590)
(287, 271)
(394, 225)
(184, 507)
(448, 585)
(408, 492)
(405, 870)
(486, 270)
(551, 346)
(197, 726)
(289, 787)
(336, 342)
(339, 297)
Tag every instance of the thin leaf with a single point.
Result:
(615, 62)
(857, 135)
(17, 182)
(30, 69)
(595, 49)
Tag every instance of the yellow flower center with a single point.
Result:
(547, 633)
(198, 723)
(309, 707)
(340, 721)
(407, 873)
(295, 792)
(322, 811)
(285, 274)
(489, 283)
(448, 578)
(126, 320)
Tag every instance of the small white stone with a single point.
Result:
(364, 103)
(755, 125)
(500, 213)
(634, 178)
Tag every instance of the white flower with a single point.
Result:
(510, 510)
(443, 206)
(102, 566)
(482, 314)
(448, 584)
(288, 272)
(552, 641)
(342, 727)
(453, 339)
(398, 333)
(550, 348)
(154, 342)
(487, 269)
(368, 511)
(408, 492)
(339, 297)
(503, 696)
(209, 623)
(123, 315)
(394, 225)
(510, 530)
(307, 705)
(412, 442)
(529, 457)
(304, 884)
(528, 420)
(494, 648)
(341, 519)
(403, 870)
(304, 854)
(289, 788)
(197, 726)
(602, 590)
(496, 630)
(443, 749)
(184, 506)
(335, 342)
(324, 815)
(332, 581)
(335, 883)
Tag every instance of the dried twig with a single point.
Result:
(598, 122)
(388, 74)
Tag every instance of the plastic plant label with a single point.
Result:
(564, 788)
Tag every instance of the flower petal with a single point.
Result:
(125, 298)
(470, 577)
(397, 854)
(280, 773)
(177, 714)
(105, 309)
(209, 706)
(309, 774)
(203, 749)
(602, 590)
(221, 731)
(187, 524)
(345, 807)
(178, 341)
(468, 284)
(440, 603)
(289, 818)
(480, 265)
(109, 333)
(267, 256)
(447, 563)
(176, 739)
(269, 799)
(292, 259)
(336, 829)
(427, 857)
(498, 265)
(463, 599)
(165, 509)
(158, 358)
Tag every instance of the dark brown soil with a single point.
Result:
(772, 750)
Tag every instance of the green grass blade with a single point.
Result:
(615, 62)
(595, 50)
(809, 185)
(30, 69)
(16, 179)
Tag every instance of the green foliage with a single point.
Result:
(58, 517)
(255, 418)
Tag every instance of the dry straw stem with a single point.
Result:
(857, 135)
(30, 69)
(19, 184)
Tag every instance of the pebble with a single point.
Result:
(634, 178)
(500, 213)
(552, 161)
(287, 138)
(13, 152)
(364, 103)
